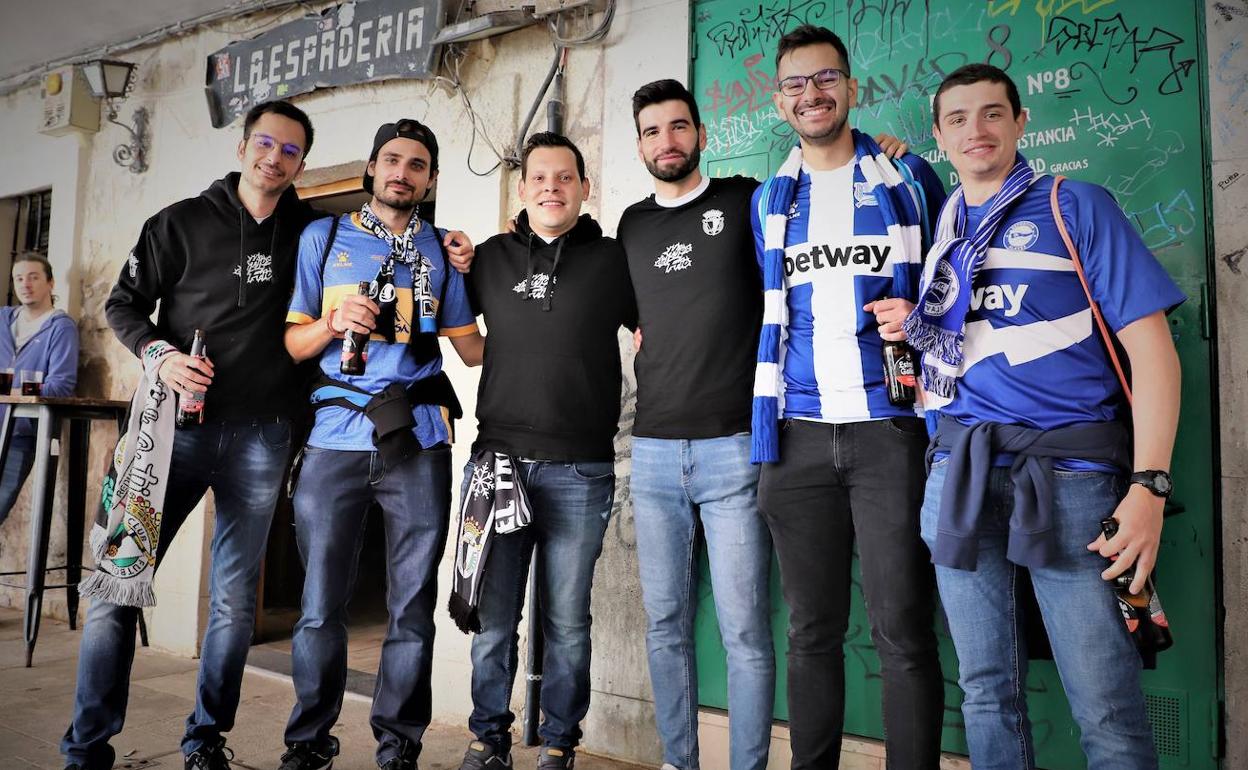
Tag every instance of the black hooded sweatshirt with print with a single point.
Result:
(550, 382)
(211, 266)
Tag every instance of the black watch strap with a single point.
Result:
(1157, 482)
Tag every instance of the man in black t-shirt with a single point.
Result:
(699, 297)
(554, 294)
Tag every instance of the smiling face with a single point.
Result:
(32, 285)
(552, 190)
(272, 154)
(669, 143)
(402, 174)
(819, 117)
(978, 130)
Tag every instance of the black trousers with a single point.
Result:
(836, 484)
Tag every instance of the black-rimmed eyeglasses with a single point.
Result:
(824, 80)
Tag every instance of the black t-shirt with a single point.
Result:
(550, 383)
(700, 303)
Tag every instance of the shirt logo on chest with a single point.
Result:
(540, 281)
(712, 222)
(863, 195)
(1020, 236)
(676, 257)
(259, 268)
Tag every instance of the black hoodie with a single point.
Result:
(550, 386)
(212, 267)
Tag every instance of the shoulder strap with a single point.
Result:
(1106, 336)
(329, 242)
(920, 201)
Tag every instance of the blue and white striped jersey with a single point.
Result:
(838, 257)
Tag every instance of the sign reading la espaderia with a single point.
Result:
(356, 42)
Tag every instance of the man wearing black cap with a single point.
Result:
(382, 436)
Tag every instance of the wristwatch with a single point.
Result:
(1157, 482)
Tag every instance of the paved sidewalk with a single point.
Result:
(35, 705)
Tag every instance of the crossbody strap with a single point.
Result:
(1106, 336)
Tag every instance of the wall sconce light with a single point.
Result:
(112, 80)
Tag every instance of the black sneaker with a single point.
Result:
(307, 756)
(399, 763)
(483, 756)
(211, 756)
(551, 758)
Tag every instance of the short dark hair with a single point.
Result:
(969, 74)
(286, 110)
(549, 139)
(34, 256)
(809, 34)
(663, 91)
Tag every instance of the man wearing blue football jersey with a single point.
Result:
(1029, 454)
(839, 233)
(380, 436)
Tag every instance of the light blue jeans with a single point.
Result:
(1095, 656)
(678, 484)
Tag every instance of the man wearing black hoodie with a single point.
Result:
(554, 295)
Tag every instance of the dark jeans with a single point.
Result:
(332, 499)
(836, 484)
(16, 468)
(242, 462)
(571, 504)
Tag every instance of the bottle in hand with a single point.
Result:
(899, 373)
(355, 346)
(191, 410)
(1142, 612)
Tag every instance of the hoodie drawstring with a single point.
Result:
(550, 285)
(242, 256)
(528, 278)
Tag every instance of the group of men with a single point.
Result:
(759, 313)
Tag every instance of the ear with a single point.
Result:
(940, 143)
(299, 173)
(640, 155)
(776, 96)
(701, 136)
(242, 147)
(852, 87)
(587, 187)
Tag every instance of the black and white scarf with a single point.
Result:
(494, 503)
(402, 249)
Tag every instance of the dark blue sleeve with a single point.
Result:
(1125, 278)
(756, 225)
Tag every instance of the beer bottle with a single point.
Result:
(191, 410)
(1142, 612)
(355, 346)
(899, 373)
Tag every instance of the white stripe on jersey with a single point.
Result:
(1026, 260)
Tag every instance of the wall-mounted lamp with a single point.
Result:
(112, 80)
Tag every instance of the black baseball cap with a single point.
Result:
(402, 129)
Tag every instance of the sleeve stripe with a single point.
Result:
(295, 317)
(458, 331)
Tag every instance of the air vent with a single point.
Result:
(1167, 710)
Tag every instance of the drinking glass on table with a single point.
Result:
(6, 381)
(32, 382)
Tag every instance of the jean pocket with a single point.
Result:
(593, 471)
(910, 427)
(275, 435)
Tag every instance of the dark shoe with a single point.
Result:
(399, 763)
(306, 756)
(211, 756)
(551, 758)
(74, 766)
(483, 756)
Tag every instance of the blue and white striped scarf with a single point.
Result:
(937, 325)
(900, 201)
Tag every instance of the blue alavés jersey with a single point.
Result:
(838, 257)
(1033, 356)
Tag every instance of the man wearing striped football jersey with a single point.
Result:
(1030, 454)
(839, 231)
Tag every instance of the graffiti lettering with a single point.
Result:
(1112, 37)
(749, 93)
(1165, 226)
(918, 79)
(1109, 127)
(764, 23)
(1045, 8)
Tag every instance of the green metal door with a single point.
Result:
(1118, 97)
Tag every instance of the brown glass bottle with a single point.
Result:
(191, 410)
(355, 346)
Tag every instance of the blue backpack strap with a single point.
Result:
(921, 195)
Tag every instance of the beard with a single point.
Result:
(675, 173)
(825, 135)
(398, 201)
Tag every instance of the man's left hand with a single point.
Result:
(1138, 539)
(890, 313)
(460, 250)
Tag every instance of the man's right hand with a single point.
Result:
(187, 375)
(357, 313)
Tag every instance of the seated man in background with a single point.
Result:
(35, 337)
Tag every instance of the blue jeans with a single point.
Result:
(332, 500)
(16, 468)
(676, 485)
(571, 503)
(1097, 661)
(242, 462)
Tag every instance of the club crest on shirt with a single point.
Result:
(794, 211)
(863, 195)
(1021, 235)
(943, 292)
(675, 257)
(712, 221)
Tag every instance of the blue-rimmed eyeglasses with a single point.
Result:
(824, 80)
(265, 144)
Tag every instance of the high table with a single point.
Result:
(49, 414)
